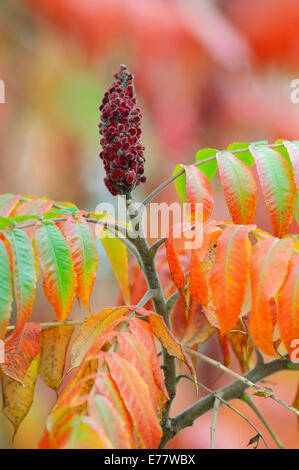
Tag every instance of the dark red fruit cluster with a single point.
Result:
(122, 153)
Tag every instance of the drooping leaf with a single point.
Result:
(198, 191)
(58, 268)
(6, 295)
(167, 339)
(117, 254)
(142, 330)
(54, 343)
(83, 248)
(107, 387)
(110, 421)
(92, 328)
(197, 283)
(20, 351)
(269, 266)
(24, 274)
(132, 350)
(239, 186)
(288, 306)
(81, 432)
(278, 186)
(17, 397)
(189, 324)
(229, 275)
(175, 268)
(135, 394)
(7, 203)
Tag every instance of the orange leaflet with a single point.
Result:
(169, 342)
(176, 270)
(20, 351)
(110, 422)
(107, 387)
(143, 331)
(132, 349)
(91, 329)
(190, 325)
(288, 306)
(135, 394)
(197, 283)
(198, 191)
(229, 274)
(269, 266)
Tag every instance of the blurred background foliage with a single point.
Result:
(207, 73)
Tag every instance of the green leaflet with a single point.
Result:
(208, 168)
(58, 268)
(5, 289)
(24, 274)
(180, 183)
(5, 222)
(245, 156)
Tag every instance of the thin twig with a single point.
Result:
(264, 392)
(53, 324)
(229, 392)
(247, 399)
(226, 403)
(213, 422)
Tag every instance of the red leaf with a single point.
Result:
(288, 306)
(21, 350)
(135, 394)
(269, 266)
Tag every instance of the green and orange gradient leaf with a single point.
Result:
(198, 191)
(6, 289)
(24, 274)
(278, 186)
(81, 242)
(136, 397)
(240, 189)
(58, 268)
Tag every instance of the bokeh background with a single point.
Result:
(207, 73)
